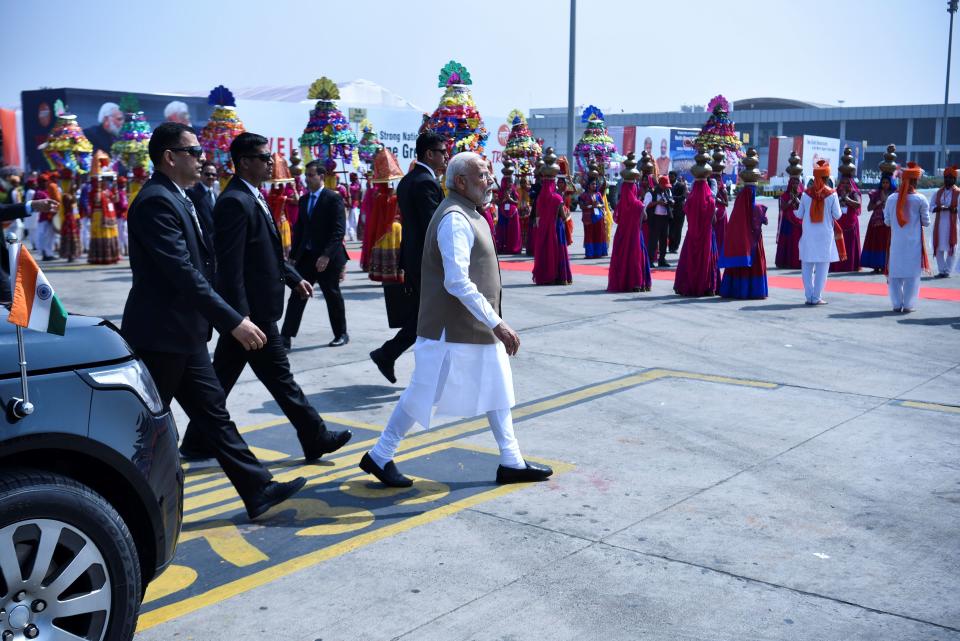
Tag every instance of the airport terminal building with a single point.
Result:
(916, 130)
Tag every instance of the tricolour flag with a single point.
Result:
(35, 306)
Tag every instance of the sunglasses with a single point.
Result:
(195, 150)
(267, 158)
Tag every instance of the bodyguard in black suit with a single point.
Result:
(172, 307)
(203, 196)
(252, 277)
(418, 196)
(318, 254)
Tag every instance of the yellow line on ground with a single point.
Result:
(933, 407)
(286, 568)
(428, 437)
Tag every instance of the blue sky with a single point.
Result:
(631, 56)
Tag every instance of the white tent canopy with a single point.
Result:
(360, 92)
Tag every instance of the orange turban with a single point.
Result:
(911, 172)
(950, 171)
(819, 191)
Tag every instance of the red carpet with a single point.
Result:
(779, 282)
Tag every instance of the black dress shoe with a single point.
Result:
(190, 454)
(273, 493)
(340, 340)
(532, 472)
(328, 442)
(389, 475)
(287, 343)
(385, 366)
(663, 263)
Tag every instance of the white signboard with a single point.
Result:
(819, 148)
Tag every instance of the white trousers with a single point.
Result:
(122, 235)
(85, 234)
(352, 216)
(814, 277)
(904, 292)
(501, 423)
(47, 237)
(945, 262)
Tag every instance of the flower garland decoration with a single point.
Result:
(132, 147)
(328, 135)
(595, 145)
(457, 118)
(221, 129)
(521, 145)
(66, 146)
(719, 131)
(369, 143)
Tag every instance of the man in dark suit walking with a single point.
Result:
(172, 307)
(318, 254)
(251, 277)
(418, 196)
(203, 195)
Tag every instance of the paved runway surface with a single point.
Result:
(726, 470)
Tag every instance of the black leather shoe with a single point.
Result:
(328, 442)
(385, 366)
(273, 493)
(389, 475)
(340, 340)
(533, 472)
(287, 343)
(190, 454)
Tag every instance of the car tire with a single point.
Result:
(75, 531)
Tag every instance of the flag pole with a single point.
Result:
(18, 407)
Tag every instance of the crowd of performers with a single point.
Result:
(722, 254)
(818, 230)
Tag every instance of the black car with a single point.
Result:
(91, 488)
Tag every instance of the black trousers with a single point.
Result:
(659, 230)
(329, 282)
(272, 367)
(190, 379)
(407, 334)
(676, 229)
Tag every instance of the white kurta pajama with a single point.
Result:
(818, 246)
(943, 251)
(458, 379)
(906, 247)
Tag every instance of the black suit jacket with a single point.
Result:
(251, 271)
(12, 212)
(172, 303)
(8, 212)
(198, 194)
(324, 228)
(418, 196)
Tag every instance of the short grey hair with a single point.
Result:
(107, 109)
(458, 166)
(175, 107)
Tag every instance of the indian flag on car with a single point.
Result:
(35, 305)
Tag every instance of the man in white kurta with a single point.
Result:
(944, 207)
(461, 354)
(906, 214)
(819, 208)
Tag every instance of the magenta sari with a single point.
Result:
(551, 262)
(629, 263)
(697, 267)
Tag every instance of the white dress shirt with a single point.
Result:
(906, 242)
(817, 243)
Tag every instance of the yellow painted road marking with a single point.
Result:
(225, 540)
(270, 456)
(933, 407)
(350, 454)
(286, 568)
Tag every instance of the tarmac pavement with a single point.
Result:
(726, 469)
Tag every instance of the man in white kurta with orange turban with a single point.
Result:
(944, 207)
(819, 208)
(906, 214)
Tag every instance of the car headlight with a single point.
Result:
(132, 375)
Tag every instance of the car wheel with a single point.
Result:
(68, 565)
